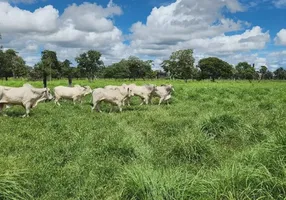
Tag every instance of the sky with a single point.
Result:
(253, 31)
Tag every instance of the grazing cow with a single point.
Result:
(115, 96)
(144, 92)
(164, 92)
(25, 96)
(74, 93)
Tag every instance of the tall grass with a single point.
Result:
(13, 185)
(222, 140)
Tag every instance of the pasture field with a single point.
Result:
(221, 140)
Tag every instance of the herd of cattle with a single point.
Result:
(29, 97)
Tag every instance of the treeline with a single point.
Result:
(180, 65)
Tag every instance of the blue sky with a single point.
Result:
(233, 30)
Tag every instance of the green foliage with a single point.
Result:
(215, 68)
(263, 69)
(133, 67)
(117, 70)
(245, 71)
(49, 64)
(280, 73)
(12, 65)
(180, 64)
(89, 63)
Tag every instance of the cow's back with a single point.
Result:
(15, 95)
(64, 91)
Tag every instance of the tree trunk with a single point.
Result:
(6, 78)
(70, 81)
(186, 80)
(45, 80)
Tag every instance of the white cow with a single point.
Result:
(114, 96)
(24, 85)
(74, 93)
(144, 92)
(25, 96)
(122, 88)
(164, 92)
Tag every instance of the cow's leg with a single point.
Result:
(93, 106)
(142, 101)
(111, 108)
(150, 100)
(128, 101)
(1, 108)
(146, 100)
(28, 107)
(167, 99)
(120, 108)
(161, 99)
(97, 107)
(57, 101)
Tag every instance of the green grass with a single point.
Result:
(221, 140)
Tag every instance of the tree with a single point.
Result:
(268, 75)
(245, 71)
(15, 64)
(2, 63)
(215, 68)
(117, 70)
(262, 71)
(89, 63)
(49, 66)
(36, 73)
(67, 70)
(280, 73)
(180, 64)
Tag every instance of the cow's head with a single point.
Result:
(168, 87)
(87, 90)
(44, 95)
(128, 90)
(48, 95)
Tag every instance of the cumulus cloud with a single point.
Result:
(195, 24)
(280, 38)
(279, 3)
(201, 25)
(15, 20)
(79, 28)
(91, 17)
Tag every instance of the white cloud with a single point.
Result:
(201, 25)
(91, 17)
(195, 24)
(281, 37)
(79, 28)
(15, 20)
(279, 3)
